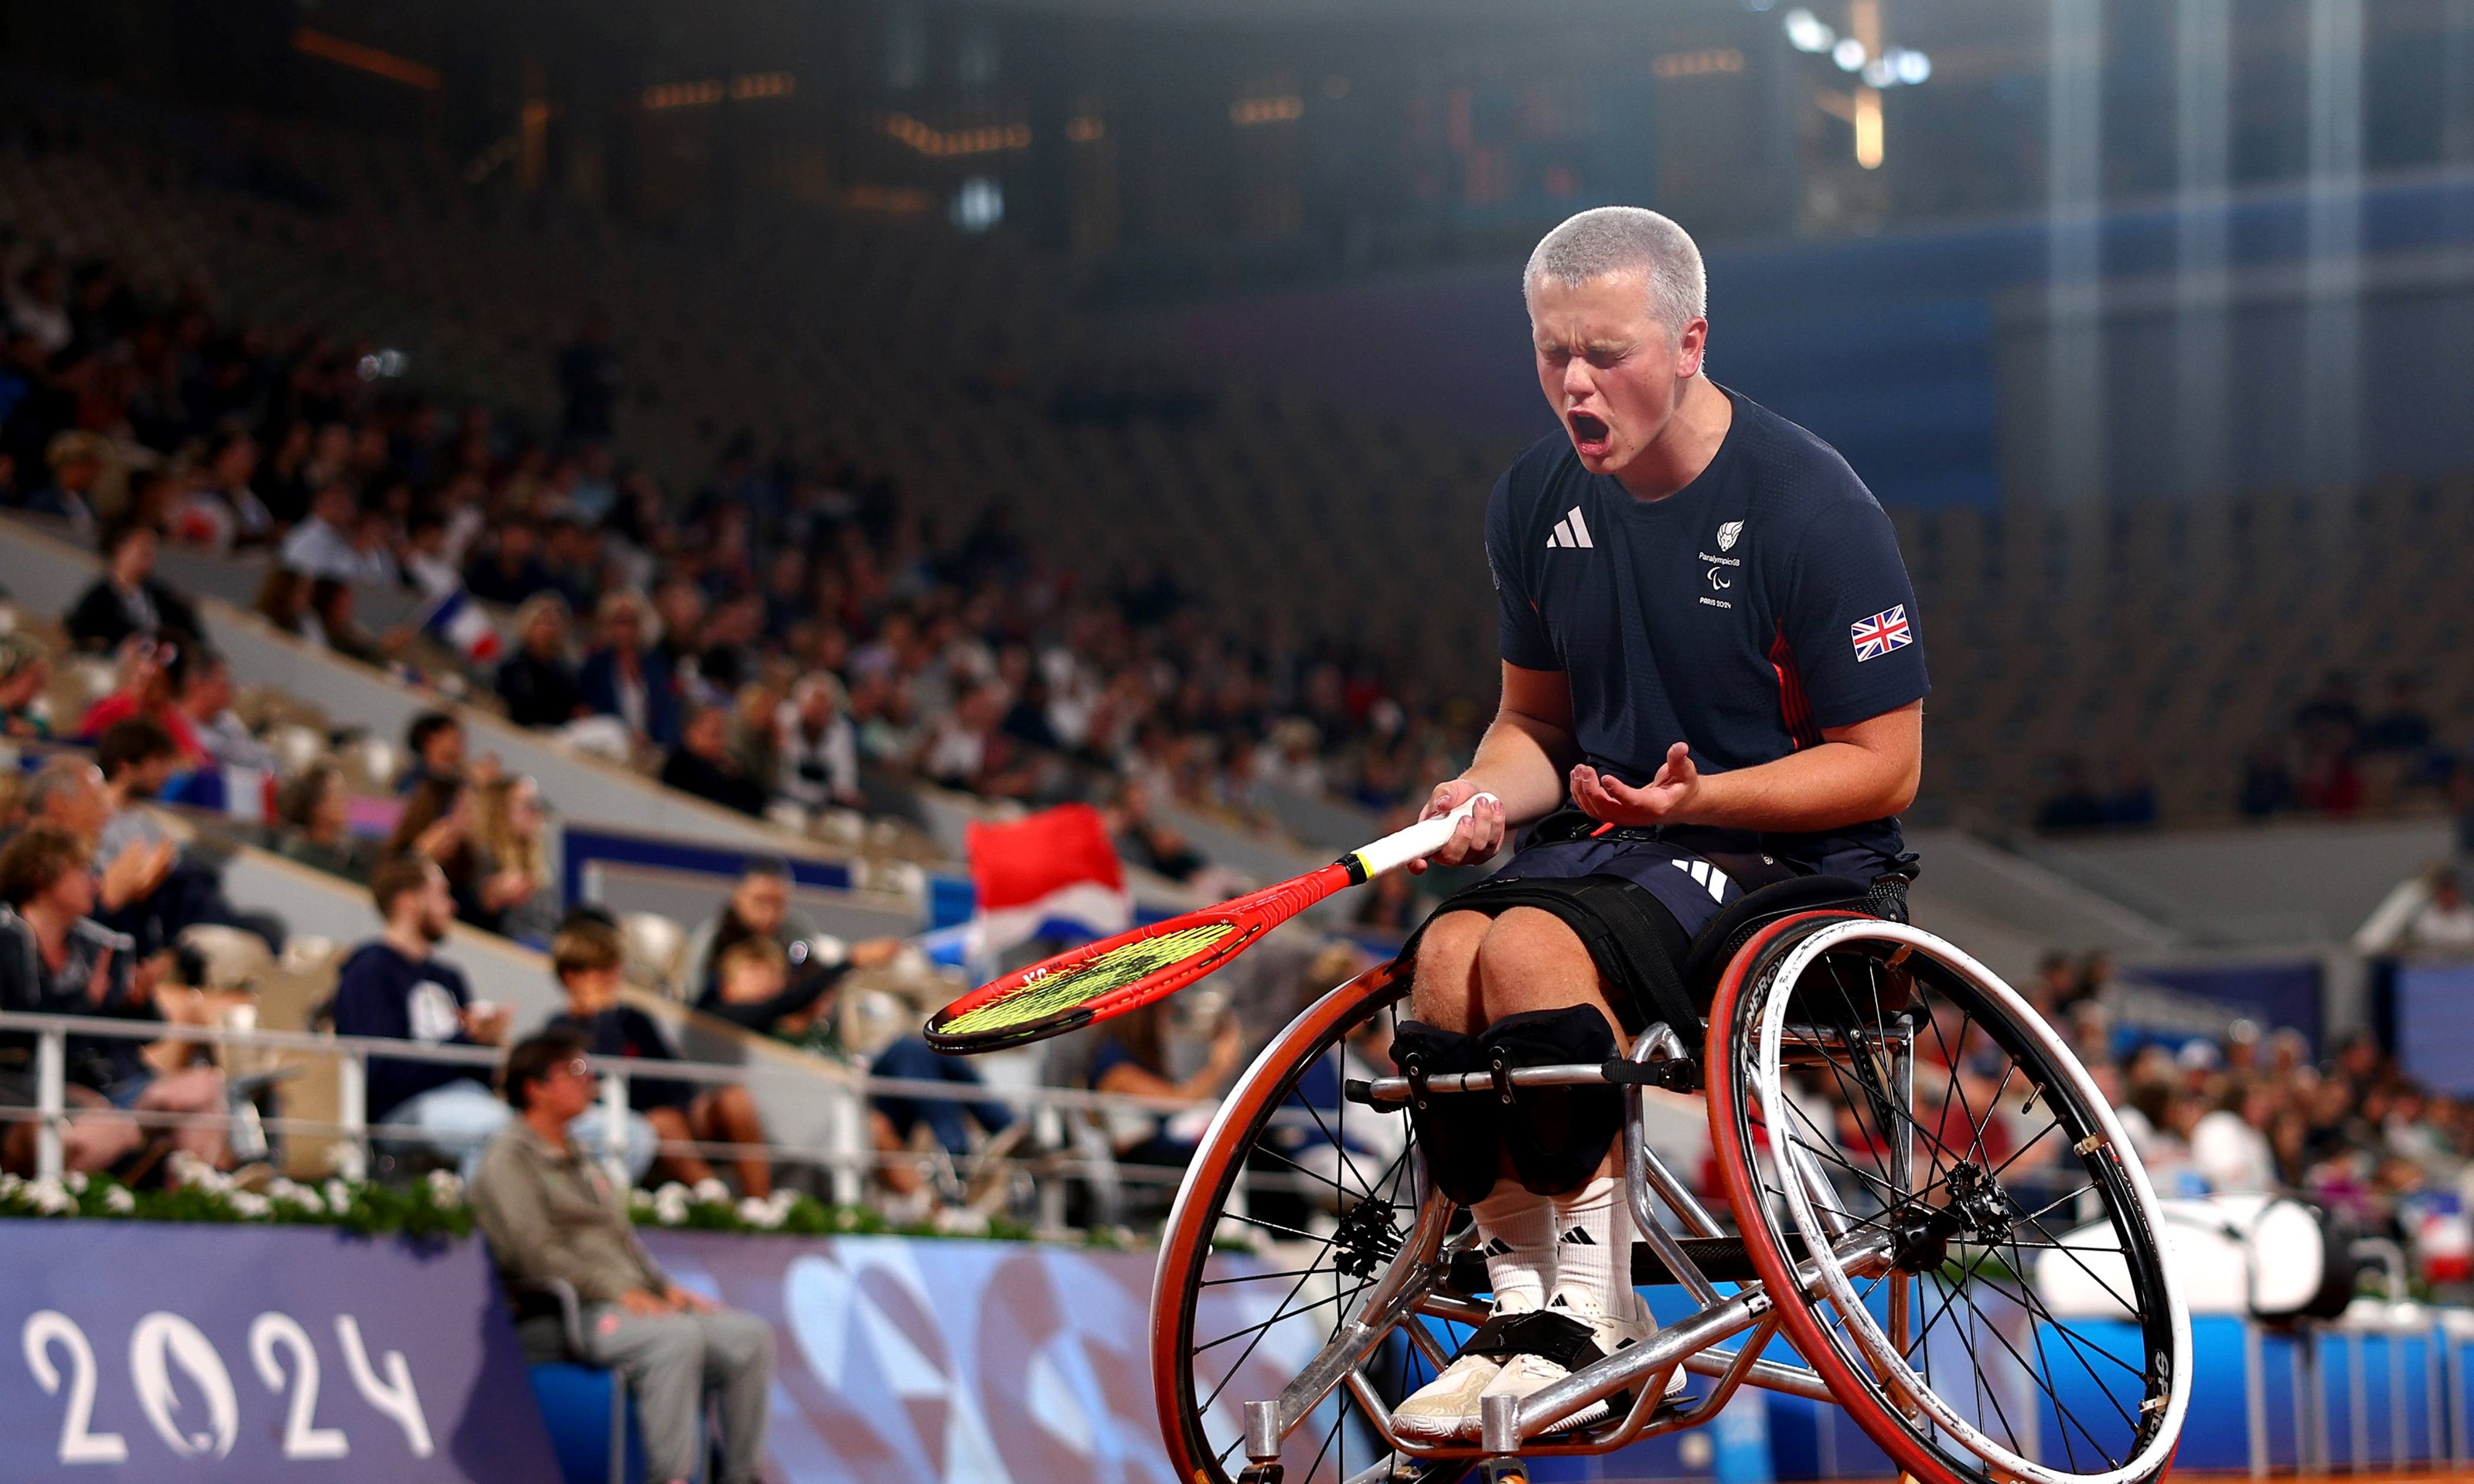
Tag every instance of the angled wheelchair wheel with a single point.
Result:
(1922, 1172)
(1291, 1221)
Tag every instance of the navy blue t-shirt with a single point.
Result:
(1757, 605)
(381, 993)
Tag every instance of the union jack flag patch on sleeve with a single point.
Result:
(1880, 633)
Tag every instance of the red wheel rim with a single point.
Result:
(1184, 1247)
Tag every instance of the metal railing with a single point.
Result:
(845, 1158)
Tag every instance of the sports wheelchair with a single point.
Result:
(1901, 1144)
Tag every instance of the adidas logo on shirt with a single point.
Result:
(1713, 881)
(1571, 531)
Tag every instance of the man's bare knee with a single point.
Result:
(1445, 993)
(1531, 960)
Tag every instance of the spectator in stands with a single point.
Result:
(220, 505)
(315, 810)
(968, 752)
(625, 678)
(702, 764)
(589, 958)
(819, 748)
(759, 906)
(507, 827)
(1145, 841)
(537, 682)
(68, 793)
(25, 674)
(330, 543)
(332, 621)
(550, 1214)
(2229, 1145)
(893, 1118)
(127, 600)
(752, 987)
(2443, 926)
(441, 823)
(136, 758)
(572, 554)
(77, 461)
(394, 988)
(436, 741)
(511, 571)
(55, 959)
(38, 309)
(1132, 1058)
(202, 697)
(145, 692)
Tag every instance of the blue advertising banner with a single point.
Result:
(140, 1350)
(961, 1362)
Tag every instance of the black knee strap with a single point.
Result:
(1555, 1136)
(1462, 1131)
(1636, 943)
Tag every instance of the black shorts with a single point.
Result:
(1637, 942)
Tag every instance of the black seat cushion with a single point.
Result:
(1728, 931)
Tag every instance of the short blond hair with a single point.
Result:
(1626, 239)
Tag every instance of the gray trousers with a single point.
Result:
(672, 1363)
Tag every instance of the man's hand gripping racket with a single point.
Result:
(1103, 979)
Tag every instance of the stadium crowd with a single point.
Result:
(2254, 1110)
(793, 628)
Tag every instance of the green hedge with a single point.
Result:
(435, 1207)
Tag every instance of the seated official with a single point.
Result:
(550, 1213)
(588, 958)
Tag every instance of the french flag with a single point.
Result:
(240, 793)
(458, 622)
(1052, 875)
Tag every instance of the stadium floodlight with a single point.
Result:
(979, 204)
(1806, 32)
(1849, 54)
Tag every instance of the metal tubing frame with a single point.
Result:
(1407, 1290)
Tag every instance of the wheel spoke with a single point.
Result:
(1985, 1169)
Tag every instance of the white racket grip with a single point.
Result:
(1416, 842)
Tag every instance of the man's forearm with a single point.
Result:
(1521, 760)
(1825, 787)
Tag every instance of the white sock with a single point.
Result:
(1594, 1253)
(1515, 1231)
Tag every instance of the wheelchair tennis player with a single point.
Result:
(1712, 681)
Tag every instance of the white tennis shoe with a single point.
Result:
(1525, 1375)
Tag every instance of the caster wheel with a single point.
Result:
(1260, 1474)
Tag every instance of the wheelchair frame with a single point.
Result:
(1414, 1285)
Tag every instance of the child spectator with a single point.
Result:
(588, 959)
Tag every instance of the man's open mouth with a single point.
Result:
(1591, 434)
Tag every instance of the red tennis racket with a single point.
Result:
(1104, 979)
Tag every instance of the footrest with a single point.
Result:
(1721, 1259)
